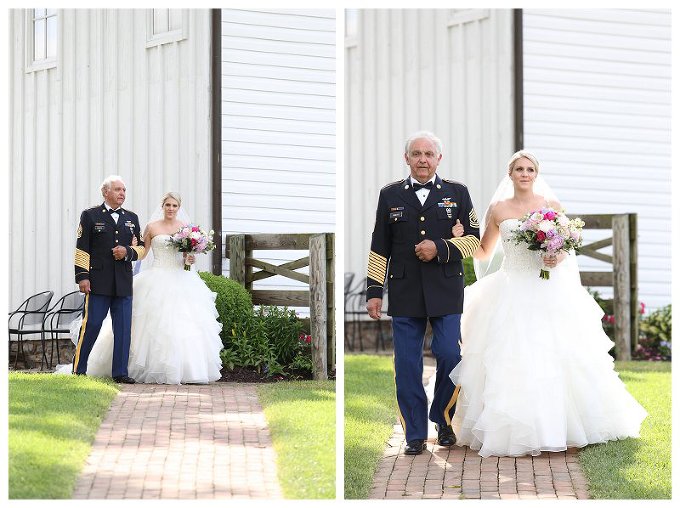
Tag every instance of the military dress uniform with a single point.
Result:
(420, 291)
(110, 281)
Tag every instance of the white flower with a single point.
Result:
(537, 216)
(546, 226)
(562, 220)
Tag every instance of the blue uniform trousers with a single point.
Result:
(96, 308)
(408, 335)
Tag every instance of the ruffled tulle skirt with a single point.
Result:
(175, 332)
(536, 374)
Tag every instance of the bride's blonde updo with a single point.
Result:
(518, 155)
(173, 195)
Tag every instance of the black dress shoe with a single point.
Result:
(415, 447)
(445, 436)
(124, 379)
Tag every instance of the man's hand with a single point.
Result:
(426, 250)
(84, 286)
(119, 252)
(458, 230)
(373, 306)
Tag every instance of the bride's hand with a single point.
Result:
(552, 260)
(457, 230)
(189, 259)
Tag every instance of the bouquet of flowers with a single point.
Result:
(192, 240)
(550, 231)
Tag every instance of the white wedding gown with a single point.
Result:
(536, 374)
(175, 333)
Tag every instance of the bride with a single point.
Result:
(536, 374)
(175, 333)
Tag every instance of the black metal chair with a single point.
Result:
(355, 300)
(27, 319)
(59, 318)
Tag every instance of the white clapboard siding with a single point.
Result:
(111, 105)
(448, 71)
(278, 126)
(597, 112)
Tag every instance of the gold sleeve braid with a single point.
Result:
(82, 260)
(377, 267)
(466, 245)
(140, 250)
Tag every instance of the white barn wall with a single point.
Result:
(597, 112)
(278, 126)
(448, 71)
(111, 105)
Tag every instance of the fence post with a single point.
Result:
(237, 258)
(622, 303)
(317, 305)
(330, 295)
(634, 303)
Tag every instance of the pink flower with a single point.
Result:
(550, 215)
(540, 236)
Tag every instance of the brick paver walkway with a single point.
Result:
(460, 473)
(182, 442)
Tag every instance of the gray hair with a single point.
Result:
(173, 195)
(518, 155)
(106, 184)
(423, 135)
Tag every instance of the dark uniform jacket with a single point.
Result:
(98, 233)
(417, 288)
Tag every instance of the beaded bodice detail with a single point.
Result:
(164, 255)
(517, 257)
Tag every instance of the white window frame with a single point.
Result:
(46, 63)
(176, 35)
(351, 38)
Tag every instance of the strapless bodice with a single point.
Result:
(164, 254)
(517, 257)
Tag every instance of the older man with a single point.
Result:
(109, 239)
(413, 237)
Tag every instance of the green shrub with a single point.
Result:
(247, 345)
(283, 329)
(655, 336)
(469, 271)
(269, 340)
(233, 301)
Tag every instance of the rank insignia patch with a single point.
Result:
(474, 221)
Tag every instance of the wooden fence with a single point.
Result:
(623, 277)
(321, 280)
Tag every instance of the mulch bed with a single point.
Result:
(243, 375)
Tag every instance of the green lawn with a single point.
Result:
(301, 416)
(370, 416)
(52, 423)
(637, 468)
(628, 469)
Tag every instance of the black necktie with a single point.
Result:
(418, 186)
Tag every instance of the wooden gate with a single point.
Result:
(623, 277)
(320, 296)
